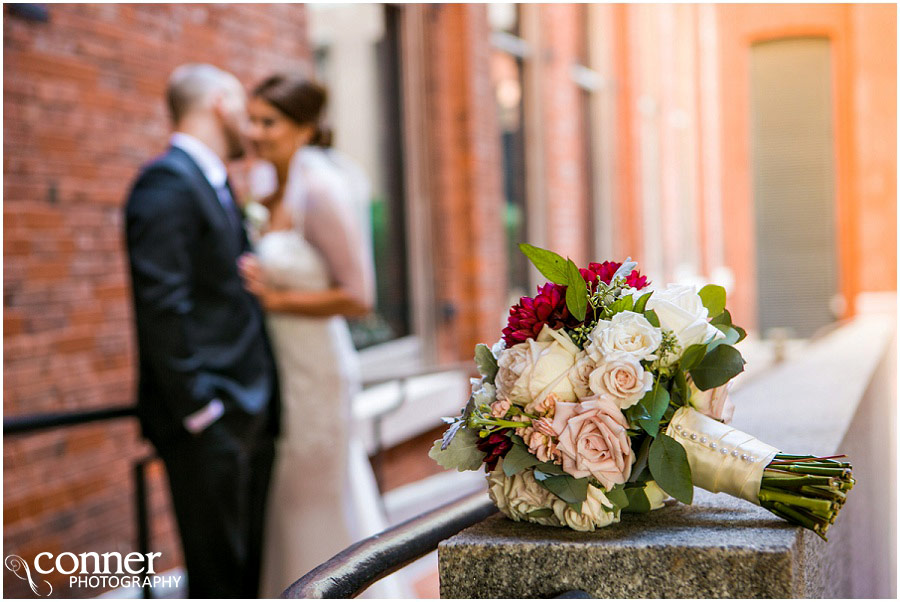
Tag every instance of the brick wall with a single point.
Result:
(470, 261)
(83, 110)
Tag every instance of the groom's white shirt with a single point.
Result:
(209, 162)
(215, 173)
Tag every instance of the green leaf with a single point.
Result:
(640, 461)
(517, 459)
(731, 337)
(540, 513)
(656, 401)
(550, 468)
(636, 413)
(626, 303)
(566, 487)
(637, 500)
(652, 317)
(576, 291)
(670, 469)
(486, 362)
(617, 496)
(548, 263)
(742, 334)
(641, 303)
(461, 453)
(692, 356)
(723, 318)
(713, 297)
(718, 367)
(681, 386)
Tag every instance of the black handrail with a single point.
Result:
(25, 425)
(350, 572)
(19, 425)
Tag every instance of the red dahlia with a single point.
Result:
(494, 447)
(527, 318)
(606, 270)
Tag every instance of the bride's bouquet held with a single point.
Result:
(605, 396)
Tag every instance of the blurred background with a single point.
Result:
(749, 145)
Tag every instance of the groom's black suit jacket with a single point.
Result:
(200, 333)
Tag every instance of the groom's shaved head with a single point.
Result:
(196, 85)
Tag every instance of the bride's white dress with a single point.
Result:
(315, 508)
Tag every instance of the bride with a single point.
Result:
(312, 268)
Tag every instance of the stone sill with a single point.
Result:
(840, 393)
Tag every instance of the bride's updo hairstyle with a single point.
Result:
(300, 99)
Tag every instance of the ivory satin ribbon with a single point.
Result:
(737, 470)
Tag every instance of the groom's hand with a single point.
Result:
(251, 274)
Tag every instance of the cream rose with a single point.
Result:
(530, 371)
(620, 378)
(655, 495)
(580, 375)
(713, 402)
(593, 441)
(680, 309)
(520, 494)
(593, 513)
(629, 332)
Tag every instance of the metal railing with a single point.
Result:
(34, 423)
(350, 572)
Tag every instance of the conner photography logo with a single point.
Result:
(90, 570)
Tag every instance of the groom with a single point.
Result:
(208, 394)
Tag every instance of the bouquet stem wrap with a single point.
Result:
(722, 458)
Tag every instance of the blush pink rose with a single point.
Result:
(593, 441)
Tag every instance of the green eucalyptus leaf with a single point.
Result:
(548, 263)
(486, 362)
(723, 319)
(566, 487)
(517, 459)
(670, 469)
(681, 386)
(718, 367)
(461, 453)
(656, 401)
(641, 304)
(576, 291)
(652, 317)
(637, 500)
(731, 337)
(617, 496)
(550, 468)
(640, 459)
(742, 334)
(692, 356)
(713, 297)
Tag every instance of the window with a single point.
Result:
(357, 56)
(507, 57)
(793, 183)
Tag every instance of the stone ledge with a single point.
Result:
(719, 547)
(722, 546)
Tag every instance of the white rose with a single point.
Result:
(627, 331)
(520, 494)
(532, 370)
(712, 402)
(580, 375)
(620, 378)
(593, 513)
(680, 309)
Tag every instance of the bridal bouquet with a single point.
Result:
(605, 396)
